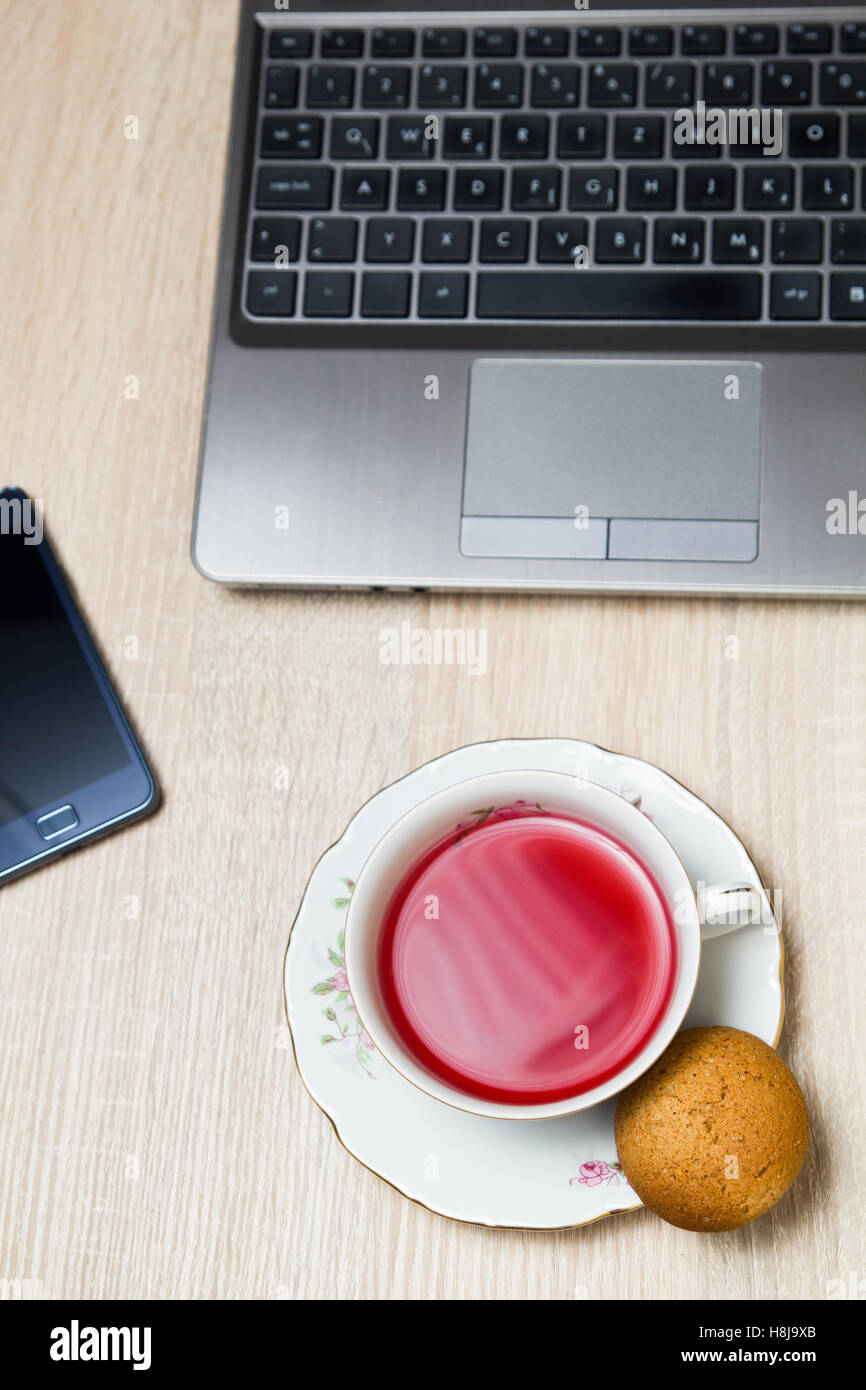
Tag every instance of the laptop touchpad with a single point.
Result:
(614, 460)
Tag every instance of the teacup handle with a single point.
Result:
(727, 906)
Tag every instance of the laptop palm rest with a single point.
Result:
(618, 460)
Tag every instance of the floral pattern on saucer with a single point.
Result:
(595, 1171)
(345, 1021)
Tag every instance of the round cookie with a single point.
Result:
(715, 1132)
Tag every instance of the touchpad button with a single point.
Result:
(612, 459)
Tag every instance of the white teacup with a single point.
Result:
(726, 906)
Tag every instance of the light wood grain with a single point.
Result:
(156, 1140)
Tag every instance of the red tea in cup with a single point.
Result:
(528, 959)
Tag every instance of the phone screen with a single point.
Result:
(57, 733)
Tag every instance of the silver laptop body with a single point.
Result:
(635, 363)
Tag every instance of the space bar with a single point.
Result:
(589, 294)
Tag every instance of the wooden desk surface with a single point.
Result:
(155, 1138)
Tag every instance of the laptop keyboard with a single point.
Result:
(535, 172)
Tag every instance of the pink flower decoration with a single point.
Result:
(594, 1172)
(340, 981)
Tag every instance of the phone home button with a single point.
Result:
(56, 822)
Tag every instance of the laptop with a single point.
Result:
(542, 299)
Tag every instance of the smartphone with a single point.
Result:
(70, 767)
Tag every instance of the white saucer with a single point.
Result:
(542, 1174)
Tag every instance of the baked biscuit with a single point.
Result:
(715, 1132)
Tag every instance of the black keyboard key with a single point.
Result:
(828, 189)
(728, 84)
(291, 43)
(443, 43)
(498, 84)
(421, 190)
(329, 293)
(854, 37)
(651, 190)
(468, 137)
(814, 135)
(768, 190)
(392, 43)
(843, 84)
(535, 190)
(797, 241)
(389, 239)
(590, 190)
(385, 294)
(524, 137)
(407, 138)
(786, 83)
(441, 85)
(756, 133)
(709, 189)
(271, 293)
(689, 139)
(443, 295)
(385, 86)
(848, 241)
(332, 239)
(613, 84)
(650, 42)
(564, 294)
(494, 43)
(293, 137)
(857, 137)
(795, 295)
(476, 189)
(620, 240)
(756, 38)
(671, 84)
(555, 84)
(546, 43)
(281, 86)
(703, 40)
(848, 297)
(563, 240)
(285, 186)
(365, 189)
(275, 237)
(598, 41)
(342, 43)
(581, 137)
(810, 38)
(738, 240)
(330, 86)
(354, 137)
(504, 239)
(446, 239)
(638, 137)
(679, 240)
